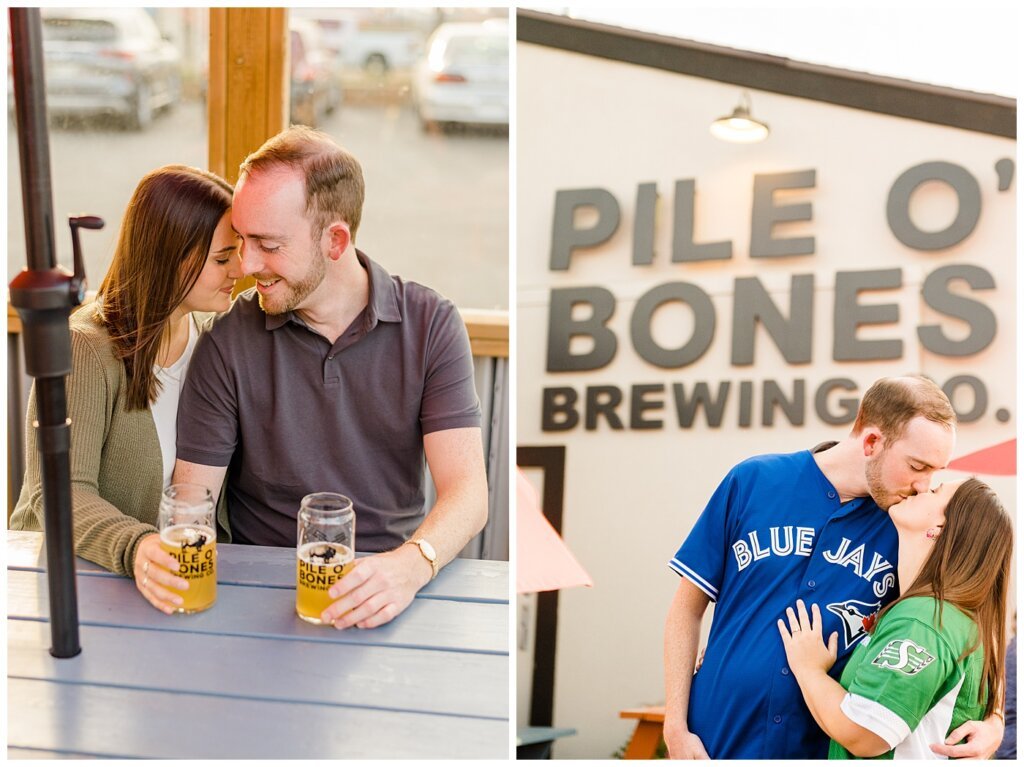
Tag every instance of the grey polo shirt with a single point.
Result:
(289, 413)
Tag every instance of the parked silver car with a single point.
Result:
(108, 61)
(464, 75)
(315, 87)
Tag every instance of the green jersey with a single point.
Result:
(906, 682)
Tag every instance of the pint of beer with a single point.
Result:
(188, 533)
(325, 551)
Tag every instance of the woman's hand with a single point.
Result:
(154, 571)
(805, 648)
(809, 660)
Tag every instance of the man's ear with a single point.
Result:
(871, 441)
(340, 237)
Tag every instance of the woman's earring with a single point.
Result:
(932, 533)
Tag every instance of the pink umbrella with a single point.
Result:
(543, 561)
(998, 459)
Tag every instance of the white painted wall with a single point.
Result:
(632, 496)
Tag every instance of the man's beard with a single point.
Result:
(296, 292)
(876, 489)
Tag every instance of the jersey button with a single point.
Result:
(778, 719)
(831, 493)
(785, 672)
(810, 584)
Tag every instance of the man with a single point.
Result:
(332, 375)
(807, 525)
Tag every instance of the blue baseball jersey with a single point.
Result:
(773, 532)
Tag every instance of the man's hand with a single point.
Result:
(377, 588)
(983, 738)
(154, 571)
(684, 745)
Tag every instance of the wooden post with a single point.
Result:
(248, 87)
(248, 90)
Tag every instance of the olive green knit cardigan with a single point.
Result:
(116, 463)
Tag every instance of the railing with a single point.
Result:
(488, 336)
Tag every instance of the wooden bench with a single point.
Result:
(647, 735)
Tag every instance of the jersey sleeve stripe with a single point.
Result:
(875, 717)
(695, 579)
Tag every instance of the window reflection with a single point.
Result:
(123, 98)
(126, 92)
(433, 142)
(108, 62)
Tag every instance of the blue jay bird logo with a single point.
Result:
(855, 617)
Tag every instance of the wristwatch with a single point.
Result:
(428, 554)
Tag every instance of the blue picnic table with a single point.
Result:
(248, 679)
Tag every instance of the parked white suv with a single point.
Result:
(464, 76)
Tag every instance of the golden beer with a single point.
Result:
(324, 552)
(188, 533)
(195, 548)
(319, 566)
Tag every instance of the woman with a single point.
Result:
(934, 658)
(176, 255)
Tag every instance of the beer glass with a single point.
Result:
(325, 551)
(188, 533)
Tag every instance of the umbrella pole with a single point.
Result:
(43, 295)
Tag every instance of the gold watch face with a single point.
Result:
(427, 550)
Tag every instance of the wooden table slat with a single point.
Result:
(461, 684)
(40, 753)
(646, 713)
(269, 613)
(471, 580)
(247, 679)
(144, 724)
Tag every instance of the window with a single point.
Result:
(434, 149)
(125, 94)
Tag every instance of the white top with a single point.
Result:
(165, 409)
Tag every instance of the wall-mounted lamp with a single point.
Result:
(740, 127)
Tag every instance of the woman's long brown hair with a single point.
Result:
(969, 568)
(161, 249)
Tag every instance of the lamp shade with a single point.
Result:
(740, 127)
(543, 561)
